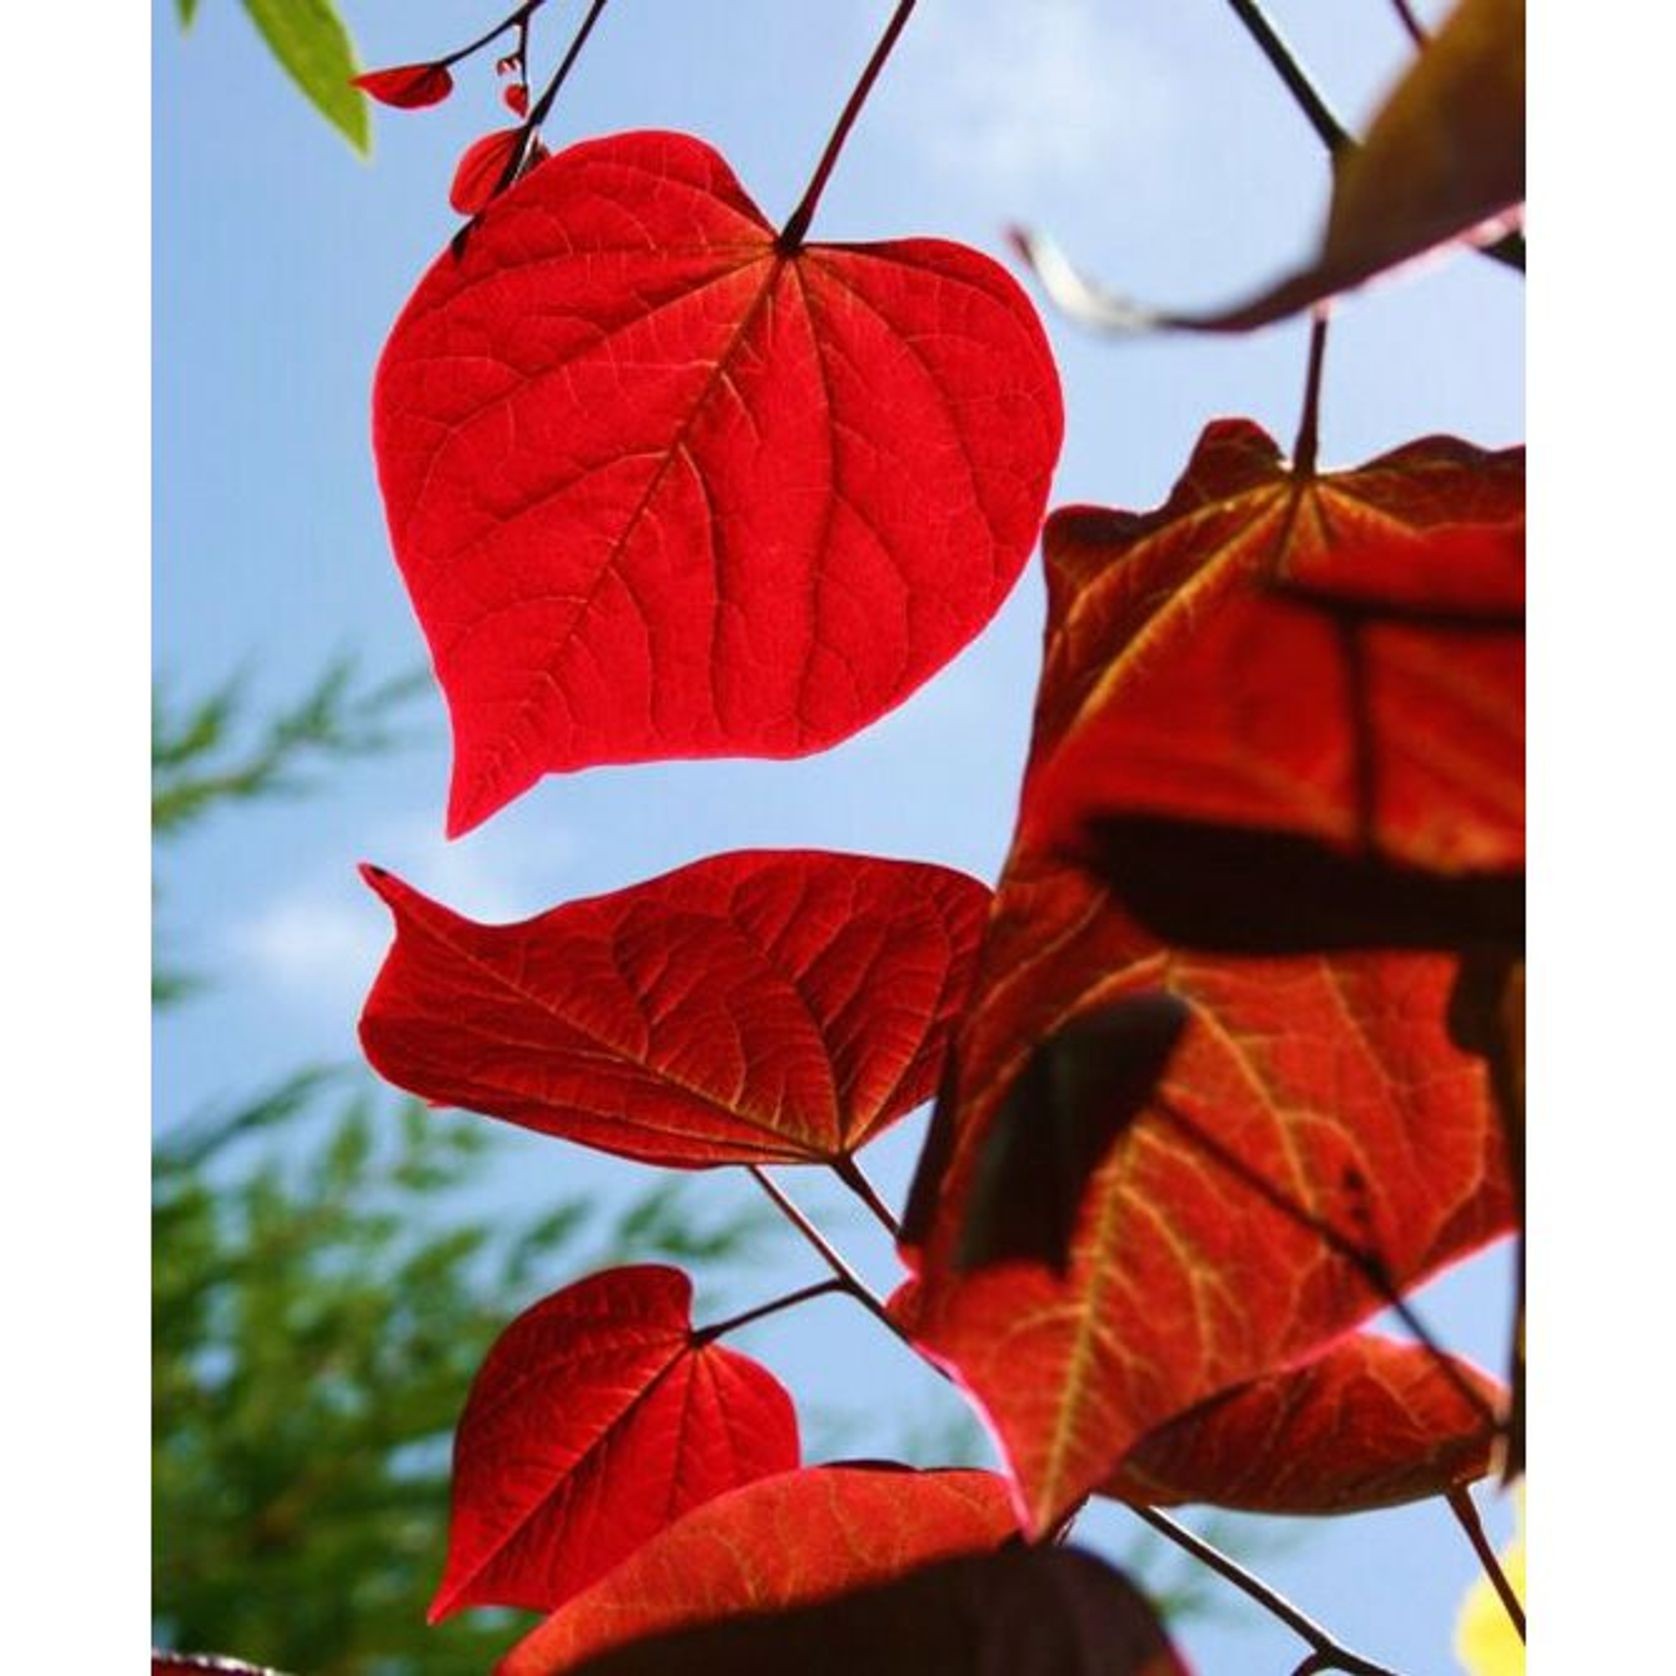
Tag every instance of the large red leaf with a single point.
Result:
(1443, 158)
(660, 487)
(597, 1418)
(1019, 1612)
(786, 1541)
(1369, 1423)
(1308, 1136)
(759, 1006)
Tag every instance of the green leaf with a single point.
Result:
(186, 10)
(309, 39)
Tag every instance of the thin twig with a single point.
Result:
(1327, 1654)
(853, 1283)
(1416, 29)
(1307, 446)
(773, 1307)
(1461, 1505)
(853, 1177)
(797, 226)
(1333, 134)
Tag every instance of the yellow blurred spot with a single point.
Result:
(1485, 1641)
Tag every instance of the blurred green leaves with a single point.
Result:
(309, 40)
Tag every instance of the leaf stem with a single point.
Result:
(1333, 134)
(850, 1280)
(1305, 449)
(773, 1307)
(1405, 15)
(1466, 1513)
(515, 19)
(798, 225)
(538, 113)
(1326, 1654)
(851, 1174)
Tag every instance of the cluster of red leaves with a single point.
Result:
(1219, 1071)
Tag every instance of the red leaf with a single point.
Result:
(786, 1541)
(761, 1006)
(1443, 159)
(1369, 1423)
(596, 1419)
(1311, 1117)
(409, 87)
(661, 488)
(483, 167)
(517, 98)
(1021, 1612)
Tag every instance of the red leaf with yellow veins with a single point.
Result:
(786, 1541)
(597, 1419)
(1443, 159)
(1369, 1423)
(1018, 1612)
(1307, 1137)
(755, 1007)
(662, 488)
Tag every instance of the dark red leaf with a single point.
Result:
(1443, 159)
(761, 1006)
(483, 168)
(784, 1542)
(1333, 755)
(597, 1419)
(1369, 1423)
(517, 98)
(409, 86)
(1314, 1128)
(1019, 1612)
(661, 488)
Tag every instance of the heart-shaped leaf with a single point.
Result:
(1369, 1423)
(755, 1007)
(597, 1418)
(1019, 1612)
(1313, 1140)
(786, 1541)
(661, 487)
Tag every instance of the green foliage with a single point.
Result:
(309, 40)
(322, 1298)
(209, 754)
(326, 1280)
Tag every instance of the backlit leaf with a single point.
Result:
(760, 1006)
(1443, 159)
(484, 166)
(597, 1418)
(309, 40)
(1369, 1423)
(783, 1542)
(1019, 1612)
(1314, 1139)
(661, 488)
(408, 86)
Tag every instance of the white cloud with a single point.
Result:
(318, 942)
(1032, 94)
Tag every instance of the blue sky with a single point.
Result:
(1148, 136)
